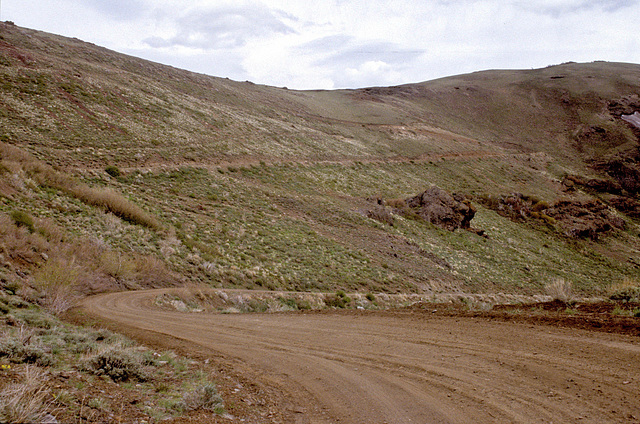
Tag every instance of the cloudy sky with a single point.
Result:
(328, 44)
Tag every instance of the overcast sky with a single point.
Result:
(328, 44)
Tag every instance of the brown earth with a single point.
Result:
(399, 366)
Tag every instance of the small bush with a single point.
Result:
(334, 301)
(540, 206)
(117, 265)
(303, 304)
(18, 352)
(381, 214)
(396, 204)
(204, 397)
(118, 364)
(289, 303)
(56, 279)
(113, 170)
(560, 290)
(626, 291)
(12, 287)
(371, 297)
(34, 317)
(23, 219)
(340, 300)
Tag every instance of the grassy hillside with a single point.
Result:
(122, 173)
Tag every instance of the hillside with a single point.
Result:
(116, 172)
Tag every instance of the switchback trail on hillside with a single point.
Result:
(405, 367)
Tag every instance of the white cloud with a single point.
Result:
(345, 43)
(226, 26)
(382, 73)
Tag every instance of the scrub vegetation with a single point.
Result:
(119, 174)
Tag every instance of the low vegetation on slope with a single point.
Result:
(173, 176)
(55, 372)
(117, 173)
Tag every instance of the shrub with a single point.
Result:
(34, 317)
(626, 291)
(118, 364)
(23, 219)
(540, 206)
(340, 300)
(24, 354)
(396, 203)
(12, 287)
(303, 304)
(289, 303)
(370, 297)
(204, 397)
(117, 265)
(560, 290)
(56, 279)
(381, 214)
(113, 170)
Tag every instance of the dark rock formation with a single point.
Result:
(587, 219)
(443, 209)
(627, 205)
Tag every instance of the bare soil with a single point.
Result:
(427, 365)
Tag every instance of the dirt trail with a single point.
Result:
(408, 367)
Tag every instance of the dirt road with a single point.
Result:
(397, 367)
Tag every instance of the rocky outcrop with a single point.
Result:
(448, 211)
(594, 184)
(576, 219)
(627, 205)
(587, 219)
(516, 206)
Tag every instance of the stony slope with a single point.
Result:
(262, 187)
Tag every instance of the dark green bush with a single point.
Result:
(23, 219)
(112, 170)
(340, 300)
(289, 303)
(626, 294)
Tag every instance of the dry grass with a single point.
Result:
(24, 402)
(115, 203)
(18, 245)
(560, 289)
(21, 162)
(62, 269)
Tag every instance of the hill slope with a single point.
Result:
(126, 173)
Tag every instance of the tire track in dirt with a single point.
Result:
(402, 367)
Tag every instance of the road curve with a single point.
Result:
(383, 367)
